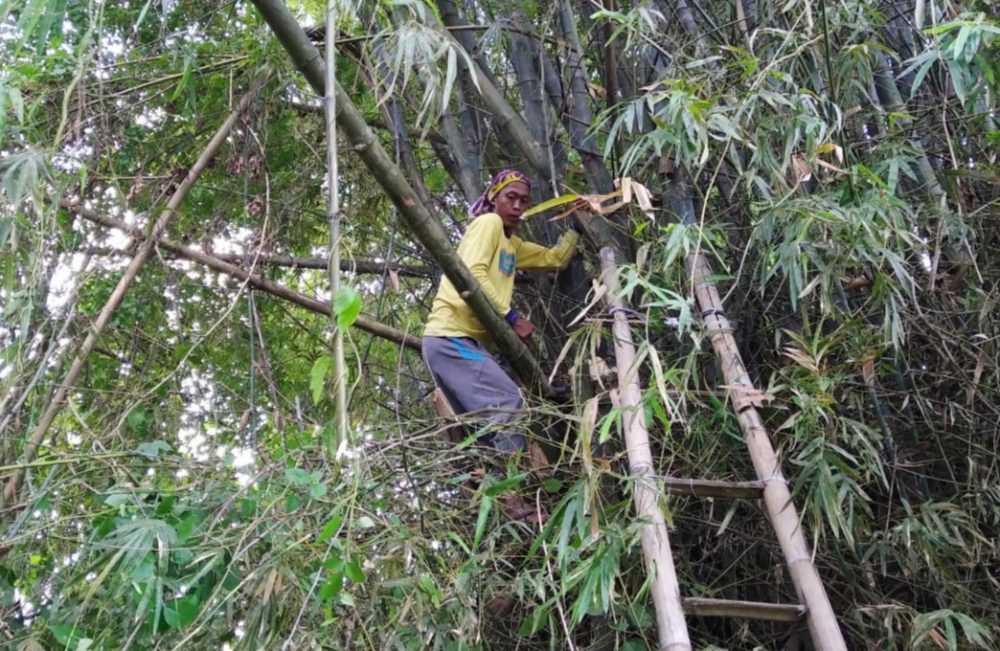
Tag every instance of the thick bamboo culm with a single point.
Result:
(671, 627)
(823, 626)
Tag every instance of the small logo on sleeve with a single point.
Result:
(506, 262)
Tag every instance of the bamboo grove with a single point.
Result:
(174, 468)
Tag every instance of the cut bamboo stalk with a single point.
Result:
(222, 265)
(128, 277)
(704, 607)
(823, 626)
(671, 627)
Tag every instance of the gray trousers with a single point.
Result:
(472, 380)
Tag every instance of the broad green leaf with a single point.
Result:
(318, 490)
(137, 419)
(68, 635)
(6, 226)
(152, 448)
(317, 377)
(347, 307)
(31, 13)
(24, 174)
(51, 22)
(330, 528)
(538, 620)
(482, 519)
(354, 572)
(298, 476)
(332, 586)
(115, 500)
(16, 102)
(181, 612)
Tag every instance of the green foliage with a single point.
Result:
(23, 174)
(966, 49)
(926, 628)
(184, 498)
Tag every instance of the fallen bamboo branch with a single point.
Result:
(277, 290)
(143, 253)
(670, 624)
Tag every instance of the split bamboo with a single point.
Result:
(671, 627)
(124, 283)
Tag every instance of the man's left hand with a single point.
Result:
(523, 328)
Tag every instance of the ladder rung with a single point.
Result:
(745, 609)
(714, 488)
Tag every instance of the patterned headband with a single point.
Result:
(484, 203)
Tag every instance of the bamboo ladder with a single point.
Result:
(770, 484)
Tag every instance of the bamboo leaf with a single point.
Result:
(481, 519)
(504, 485)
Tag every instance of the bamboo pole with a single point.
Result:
(125, 282)
(823, 626)
(222, 265)
(670, 624)
(333, 221)
(414, 215)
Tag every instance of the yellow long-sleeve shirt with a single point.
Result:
(492, 257)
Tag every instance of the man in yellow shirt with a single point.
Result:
(456, 347)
